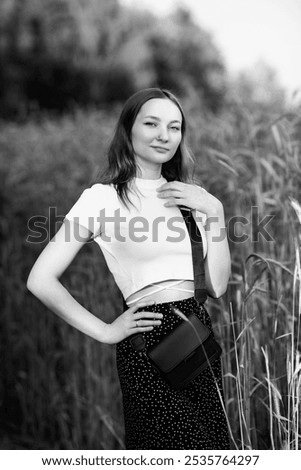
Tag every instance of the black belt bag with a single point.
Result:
(185, 352)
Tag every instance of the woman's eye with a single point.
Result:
(153, 124)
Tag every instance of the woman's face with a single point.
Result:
(156, 133)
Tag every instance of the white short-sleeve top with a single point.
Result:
(143, 244)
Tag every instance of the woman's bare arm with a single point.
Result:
(217, 261)
(43, 280)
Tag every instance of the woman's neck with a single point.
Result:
(149, 173)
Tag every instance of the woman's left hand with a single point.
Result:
(190, 195)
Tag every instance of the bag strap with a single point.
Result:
(200, 292)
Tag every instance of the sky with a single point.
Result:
(247, 31)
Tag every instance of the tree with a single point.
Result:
(258, 89)
(178, 54)
(58, 54)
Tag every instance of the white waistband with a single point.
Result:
(169, 286)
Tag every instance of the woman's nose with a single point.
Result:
(163, 134)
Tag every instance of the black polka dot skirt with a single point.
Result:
(157, 416)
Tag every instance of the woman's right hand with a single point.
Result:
(130, 322)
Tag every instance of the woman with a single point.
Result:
(131, 213)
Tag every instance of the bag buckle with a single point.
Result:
(137, 342)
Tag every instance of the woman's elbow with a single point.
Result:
(217, 293)
(32, 283)
(35, 282)
(218, 289)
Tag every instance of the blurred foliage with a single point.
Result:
(58, 54)
(258, 89)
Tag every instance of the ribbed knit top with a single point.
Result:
(143, 244)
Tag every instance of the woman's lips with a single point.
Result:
(160, 149)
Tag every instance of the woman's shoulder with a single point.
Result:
(100, 195)
(92, 195)
(100, 188)
(91, 200)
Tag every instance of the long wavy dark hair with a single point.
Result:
(121, 164)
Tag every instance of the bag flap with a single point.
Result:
(179, 344)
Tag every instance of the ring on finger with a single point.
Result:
(137, 325)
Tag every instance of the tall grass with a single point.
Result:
(59, 389)
(259, 320)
